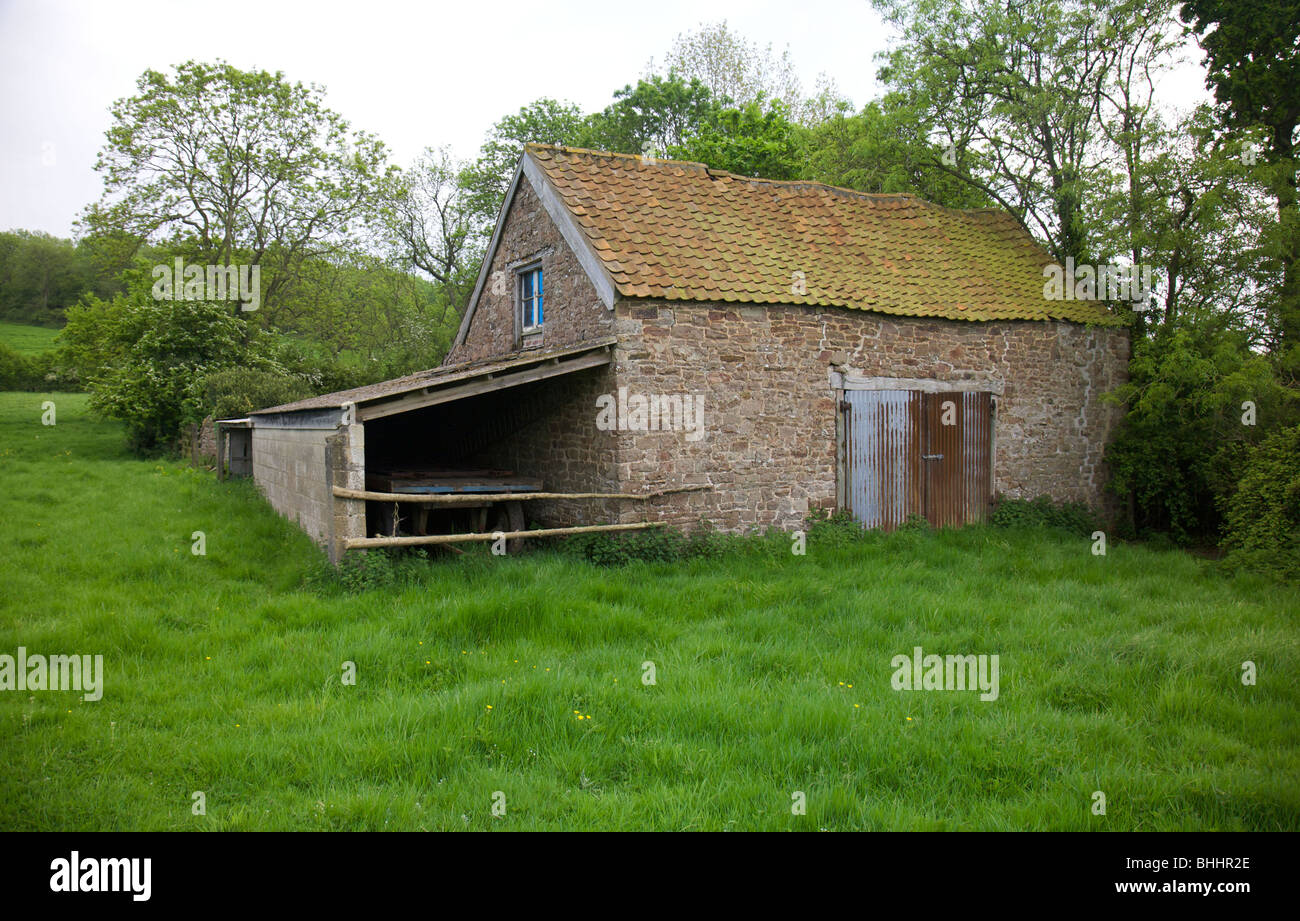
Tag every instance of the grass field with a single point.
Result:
(28, 340)
(522, 675)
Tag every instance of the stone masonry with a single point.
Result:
(573, 311)
(770, 410)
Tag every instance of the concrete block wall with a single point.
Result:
(289, 467)
(296, 469)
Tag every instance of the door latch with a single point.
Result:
(931, 457)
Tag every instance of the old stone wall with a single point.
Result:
(562, 445)
(769, 447)
(770, 409)
(572, 311)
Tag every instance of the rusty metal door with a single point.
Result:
(907, 453)
(957, 455)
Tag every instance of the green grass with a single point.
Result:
(1118, 673)
(27, 340)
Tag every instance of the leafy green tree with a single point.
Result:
(1192, 209)
(230, 166)
(161, 352)
(1262, 527)
(1021, 96)
(1176, 451)
(367, 321)
(884, 148)
(755, 140)
(145, 361)
(656, 114)
(486, 180)
(41, 276)
(1252, 58)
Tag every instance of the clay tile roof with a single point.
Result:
(675, 230)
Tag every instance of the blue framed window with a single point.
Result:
(530, 299)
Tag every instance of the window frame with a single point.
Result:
(536, 304)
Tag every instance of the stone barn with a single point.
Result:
(658, 341)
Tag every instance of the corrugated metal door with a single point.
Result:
(957, 455)
(912, 453)
(883, 437)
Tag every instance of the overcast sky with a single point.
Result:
(416, 74)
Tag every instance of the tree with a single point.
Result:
(1262, 518)
(486, 180)
(231, 166)
(1190, 207)
(1252, 59)
(145, 361)
(884, 148)
(41, 276)
(1022, 96)
(658, 113)
(1174, 454)
(430, 226)
(736, 70)
(755, 140)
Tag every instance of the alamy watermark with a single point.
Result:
(656, 412)
(920, 672)
(1071, 282)
(53, 673)
(103, 874)
(181, 282)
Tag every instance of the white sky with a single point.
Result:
(416, 74)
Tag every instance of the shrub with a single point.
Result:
(145, 361)
(1262, 516)
(658, 545)
(17, 371)
(655, 545)
(836, 531)
(234, 392)
(1043, 512)
(32, 372)
(365, 570)
(1183, 404)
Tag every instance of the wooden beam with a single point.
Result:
(432, 397)
(358, 543)
(481, 497)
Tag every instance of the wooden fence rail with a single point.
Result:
(357, 543)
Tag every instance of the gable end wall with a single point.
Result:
(573, 311)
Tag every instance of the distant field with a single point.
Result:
(518, 680)
(30, 340)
